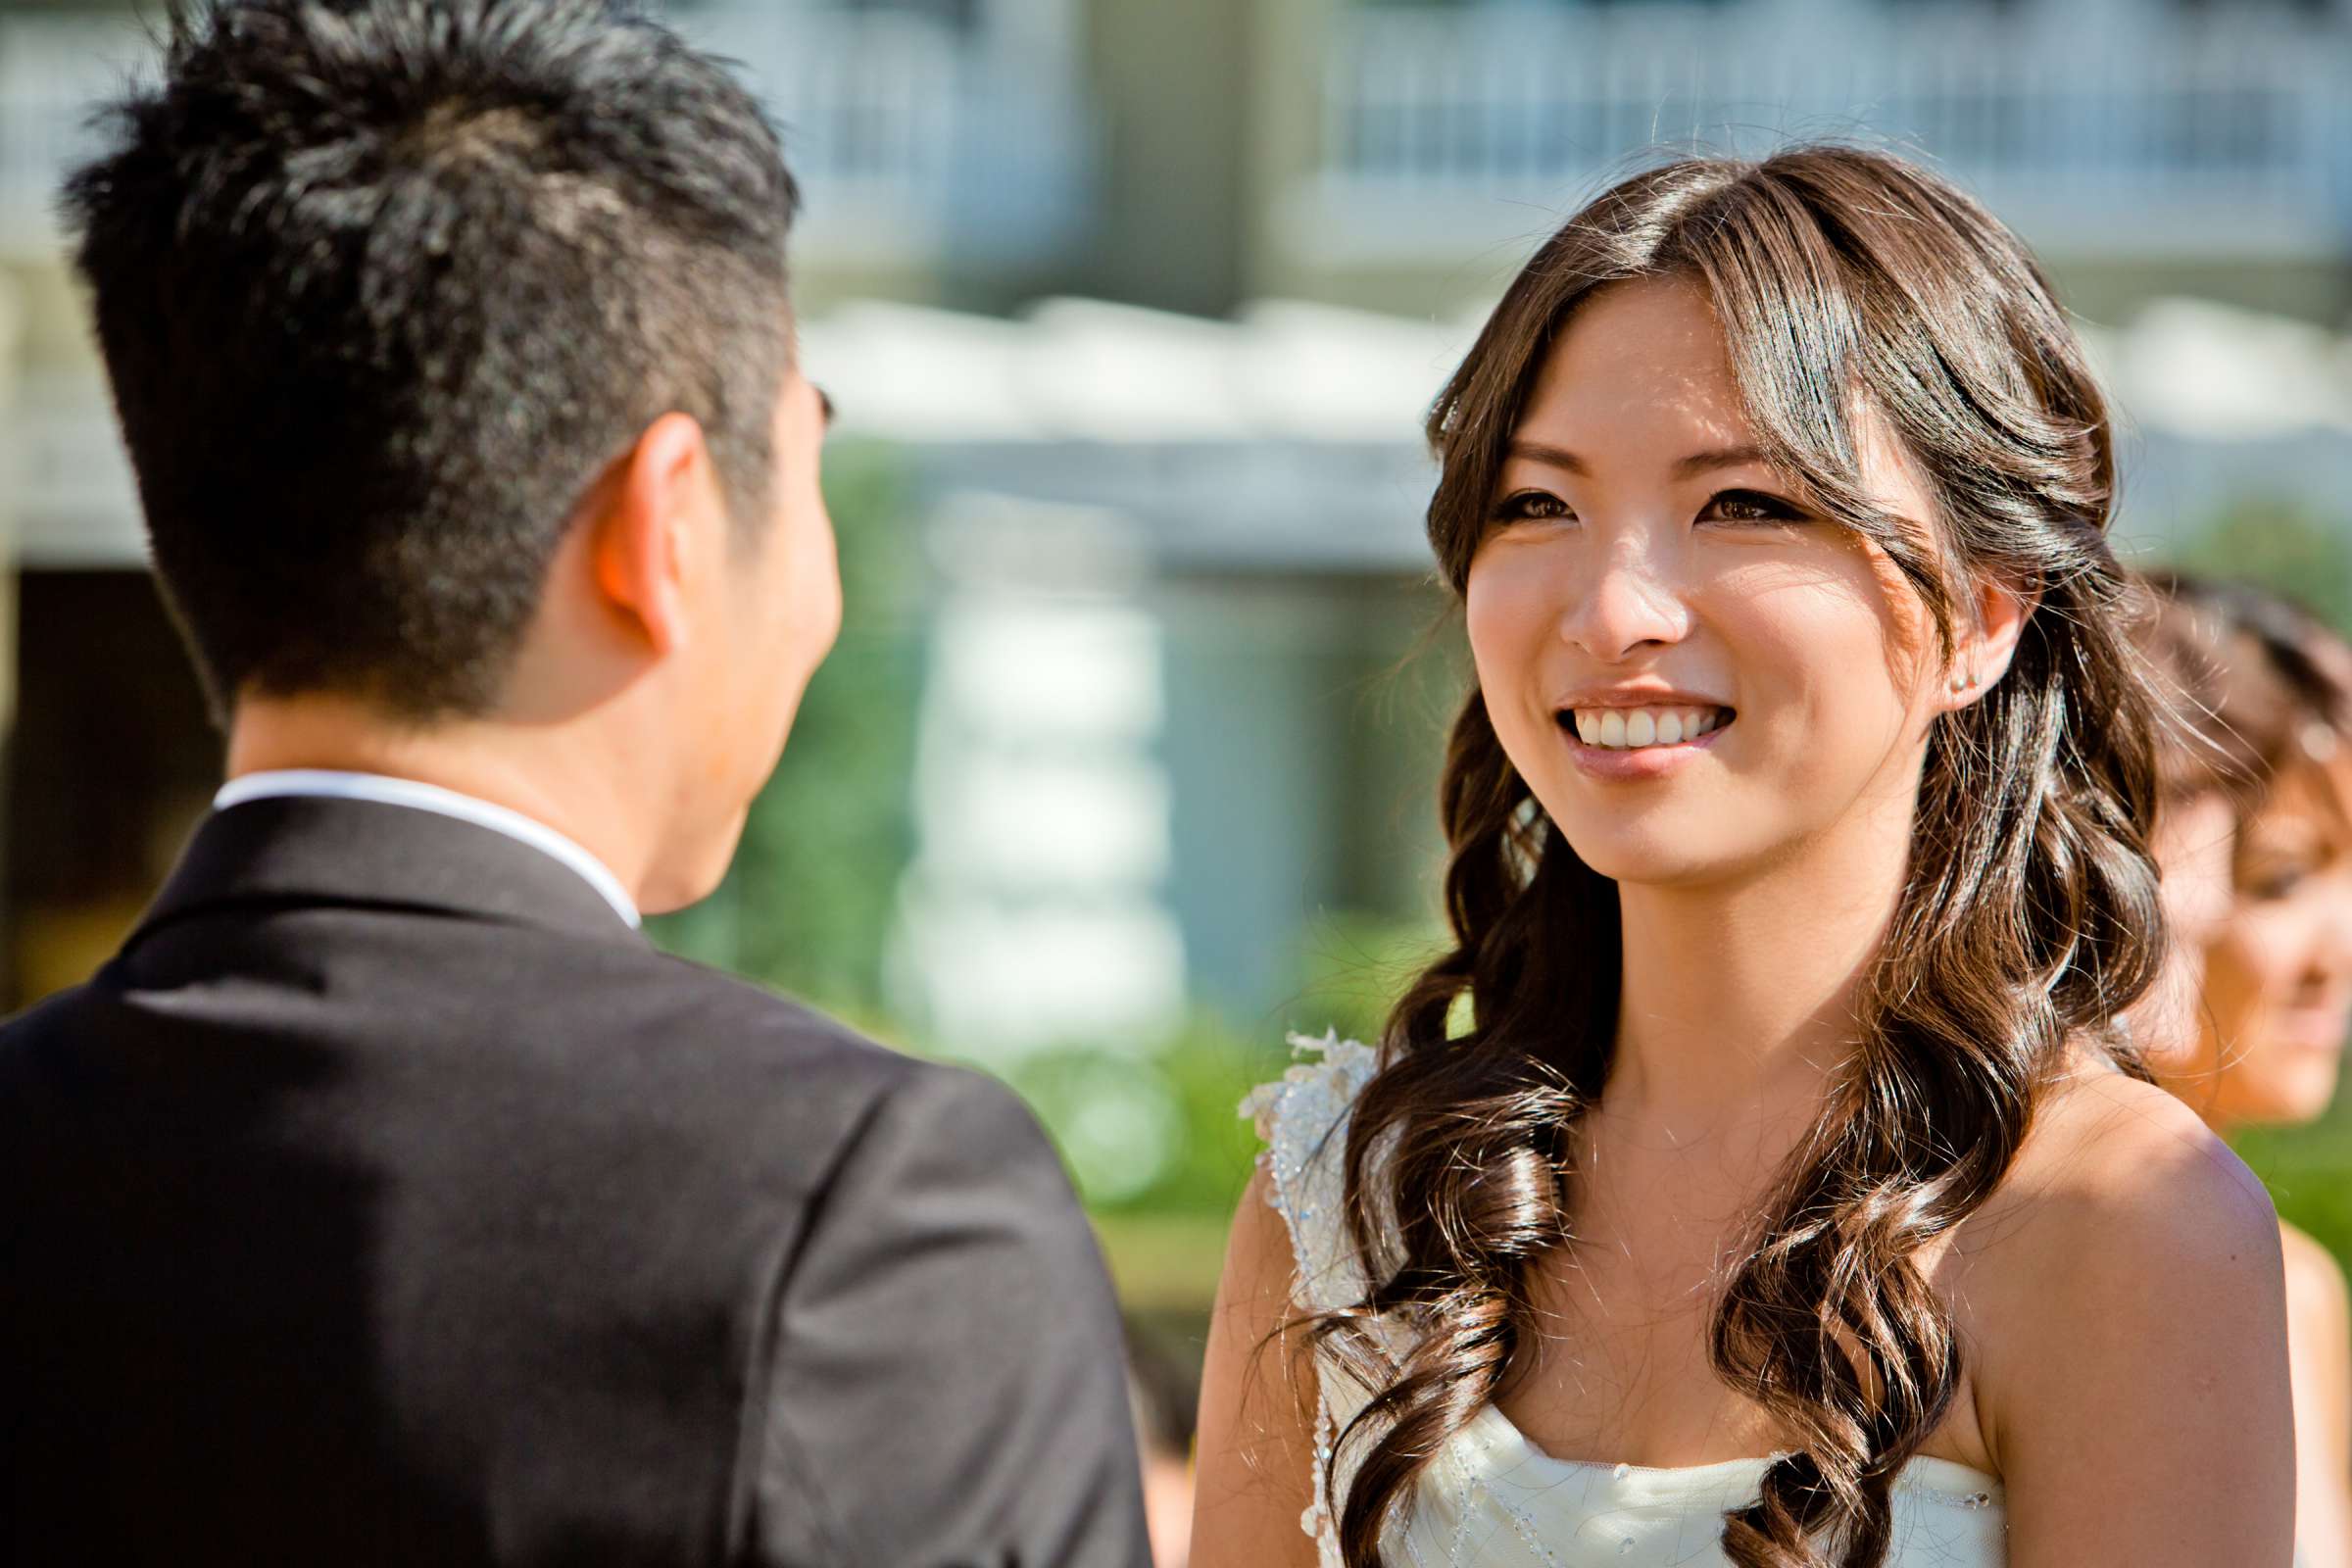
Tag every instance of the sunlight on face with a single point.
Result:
(780, 613)
(2278, 972)
(794, 605)
(1644, 577)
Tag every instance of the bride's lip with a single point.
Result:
(1593, 698)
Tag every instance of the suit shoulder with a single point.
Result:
(758, 1027)
(711, 1011)
(660, 1040)
(29, 1040)
(57, 1010)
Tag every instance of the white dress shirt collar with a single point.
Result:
(433, 797)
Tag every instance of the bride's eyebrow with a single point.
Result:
(1550, 456)
(1685, 468)
(1698, 463)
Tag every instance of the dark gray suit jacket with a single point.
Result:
(389, 1199)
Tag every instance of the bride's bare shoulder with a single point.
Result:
(2114, 1174)
(2125, 1230)
(2106, 1149)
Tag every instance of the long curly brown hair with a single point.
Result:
(2255, 684)
(2028, 920)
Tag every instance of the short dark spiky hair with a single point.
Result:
(383, 285)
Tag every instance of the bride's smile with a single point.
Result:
(1630, 733)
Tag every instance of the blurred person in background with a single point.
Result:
(1164, 1394)
(1760, 1178)
(389, 1198)
(2255, 840)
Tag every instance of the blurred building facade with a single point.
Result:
(2145, 147)
(1172, 513)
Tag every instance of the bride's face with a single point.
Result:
(1694, 675)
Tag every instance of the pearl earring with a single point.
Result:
(1961, 683)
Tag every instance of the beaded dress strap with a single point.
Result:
(1303, 1119)
(1303, 1116)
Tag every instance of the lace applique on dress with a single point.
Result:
(1303, 1116)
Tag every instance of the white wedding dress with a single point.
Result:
(1493, 1500)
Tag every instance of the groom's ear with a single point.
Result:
(652, 521)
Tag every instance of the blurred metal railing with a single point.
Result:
(71, 498)
(52, 71)
(2102, 121)
(905, 132)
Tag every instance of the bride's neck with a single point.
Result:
(1739, 995)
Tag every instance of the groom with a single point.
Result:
(390, 1199)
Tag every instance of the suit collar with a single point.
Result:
(319, 850)
(351, 786)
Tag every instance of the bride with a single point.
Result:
(1759, 1177)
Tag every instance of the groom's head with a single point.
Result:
(452, 347)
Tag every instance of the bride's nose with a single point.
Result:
(1633, 601)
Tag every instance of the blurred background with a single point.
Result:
(1125, 765)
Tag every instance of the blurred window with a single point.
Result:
(1520, 5)
(964, 15)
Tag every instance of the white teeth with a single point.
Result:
(1627, 729)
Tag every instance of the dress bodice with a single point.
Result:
(1493, 1499)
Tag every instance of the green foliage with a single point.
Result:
(1156, 1133)
(1355, 966)
(1164, 1237)
(807, 905)
(2309, 1172)
(2282, 545)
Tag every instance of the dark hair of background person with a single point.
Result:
(1165, 1391)
(2258, 686)
(383, 287)
(2029, 920)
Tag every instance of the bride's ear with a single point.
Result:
(1986, 642)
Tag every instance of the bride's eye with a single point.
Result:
(1754, 507)
(1529, 506)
